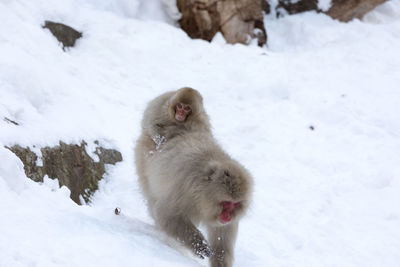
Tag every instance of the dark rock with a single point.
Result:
(117, 211)
(70, 163)
(64, 34)
(298, 7)
(265, 6)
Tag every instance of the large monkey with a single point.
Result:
(187, 178)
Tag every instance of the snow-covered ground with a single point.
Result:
(323, 197)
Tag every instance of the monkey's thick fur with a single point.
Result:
(185, 176)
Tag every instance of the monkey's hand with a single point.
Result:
(158, 140)
(202, 249)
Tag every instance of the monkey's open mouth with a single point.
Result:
(227, 209)
(225, 217)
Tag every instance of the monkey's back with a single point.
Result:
(175, 166)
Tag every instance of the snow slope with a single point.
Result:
(324, 197)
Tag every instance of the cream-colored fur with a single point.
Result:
(185, 176)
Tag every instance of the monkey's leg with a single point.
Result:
(184, 230)
(222, 240)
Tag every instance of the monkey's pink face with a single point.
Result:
(228, 209)
(227, 193)
(182, 111)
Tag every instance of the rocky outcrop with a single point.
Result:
(343, 10)
(64, 34)
(71, 164)
(239, 21)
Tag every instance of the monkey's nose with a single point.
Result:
(180, 116)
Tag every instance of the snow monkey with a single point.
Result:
(174, 113)
(188, 179)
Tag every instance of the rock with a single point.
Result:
(346, 10)
(200, 19)
(70, 163)
(117, 211)
(297, 7)
(343, 10)
(239, 21)
(265, 6)
(64, 34)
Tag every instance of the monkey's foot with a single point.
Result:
(202, 249)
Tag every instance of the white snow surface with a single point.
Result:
(324, 5)
(323, 197)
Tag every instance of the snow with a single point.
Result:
(324, 5)
(324, 197)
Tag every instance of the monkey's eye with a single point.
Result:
(179, 105)
(187, 108)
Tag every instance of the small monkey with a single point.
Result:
(174, 113)
(188, 179)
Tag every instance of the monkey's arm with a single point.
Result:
(185, 232)
(156, 118)
(222, 241)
